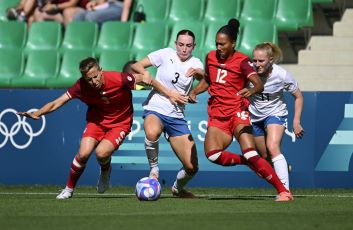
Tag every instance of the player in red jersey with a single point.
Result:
(109, 117)
(227, 73)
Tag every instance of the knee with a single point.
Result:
(273, 148)
(102, 154)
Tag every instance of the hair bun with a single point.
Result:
(234, 23)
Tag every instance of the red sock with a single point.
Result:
(77, 168)
(225, 158)
(262, 167)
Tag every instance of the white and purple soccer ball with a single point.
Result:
(148, 189)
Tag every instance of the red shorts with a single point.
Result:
(115, 135)
(228, 124)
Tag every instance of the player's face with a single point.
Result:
(262, 62)
(224, 45)
(184, 46)
(94, 77)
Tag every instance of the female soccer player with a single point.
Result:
(227, 73)
(164, 107)
(109, 118)
(268, 110)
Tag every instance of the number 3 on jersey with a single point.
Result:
(221, 74)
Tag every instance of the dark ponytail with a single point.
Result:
(231, 29)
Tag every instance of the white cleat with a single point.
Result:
(66, 193)
(103, 182)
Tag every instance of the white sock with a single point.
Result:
(281, 167)
(152, 148)
(182, 179)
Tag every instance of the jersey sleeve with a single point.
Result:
(290, 84)
(75, 90)
(128, 80)
(247, 68)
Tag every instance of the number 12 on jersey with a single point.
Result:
(221, 74)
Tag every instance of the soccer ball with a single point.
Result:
(148, 189)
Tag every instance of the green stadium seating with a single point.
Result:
(257, 10)
(150, 36)
(4, 5)
(222, 10)
(186, 10)
(80, 36)
(114, 35)
(256, 32)
(114, 60)
(69, 70)
(41, 65)
(12, 34)
(155, 10)
(44, 36)
(322, 1)
(210, 36)
(12, 62)
(292, 15)
(197, 28)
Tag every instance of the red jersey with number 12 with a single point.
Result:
(111, 105)
(226, 78)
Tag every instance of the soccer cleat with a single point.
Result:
(103, 182)
(284, 196)
(182, 194)
(66, 193)
(154, 174)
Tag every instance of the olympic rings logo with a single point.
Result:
(21, 123)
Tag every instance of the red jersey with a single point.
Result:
(226, 78)
(111, 105)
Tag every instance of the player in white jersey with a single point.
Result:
(164, 107)
(268, 110)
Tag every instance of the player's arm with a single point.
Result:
(200, 88)
(48, 108)
(298, 108)
(258, 86)
(198, 73)
(126, 10)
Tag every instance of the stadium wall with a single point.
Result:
(40, 152)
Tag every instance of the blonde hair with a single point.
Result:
(272, 50)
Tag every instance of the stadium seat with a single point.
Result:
(155, 10)
(80, 36)
(257, 10)
(256, 32)
(69, 70)
(114, 35)
(222, 10)
(186, 10)
(292, 15)
(150, 36)
(197, 28)
(114, 60)
(4, 5)
(12, 34)
(44, 36)
(41, 65)
(12, 62)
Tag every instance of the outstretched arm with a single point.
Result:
(48, 108)
(298, 108)
(258, 86)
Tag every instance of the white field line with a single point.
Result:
(167, 195)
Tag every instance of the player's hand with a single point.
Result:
(29, 115)
(177, 98)
(147, 78)
(191, 72)
(245, 92)
(90, 5)
(192, 98)
(298, 131)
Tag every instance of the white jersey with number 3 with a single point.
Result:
(171, 74)
(271, 101)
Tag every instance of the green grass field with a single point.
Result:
(36, 208)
